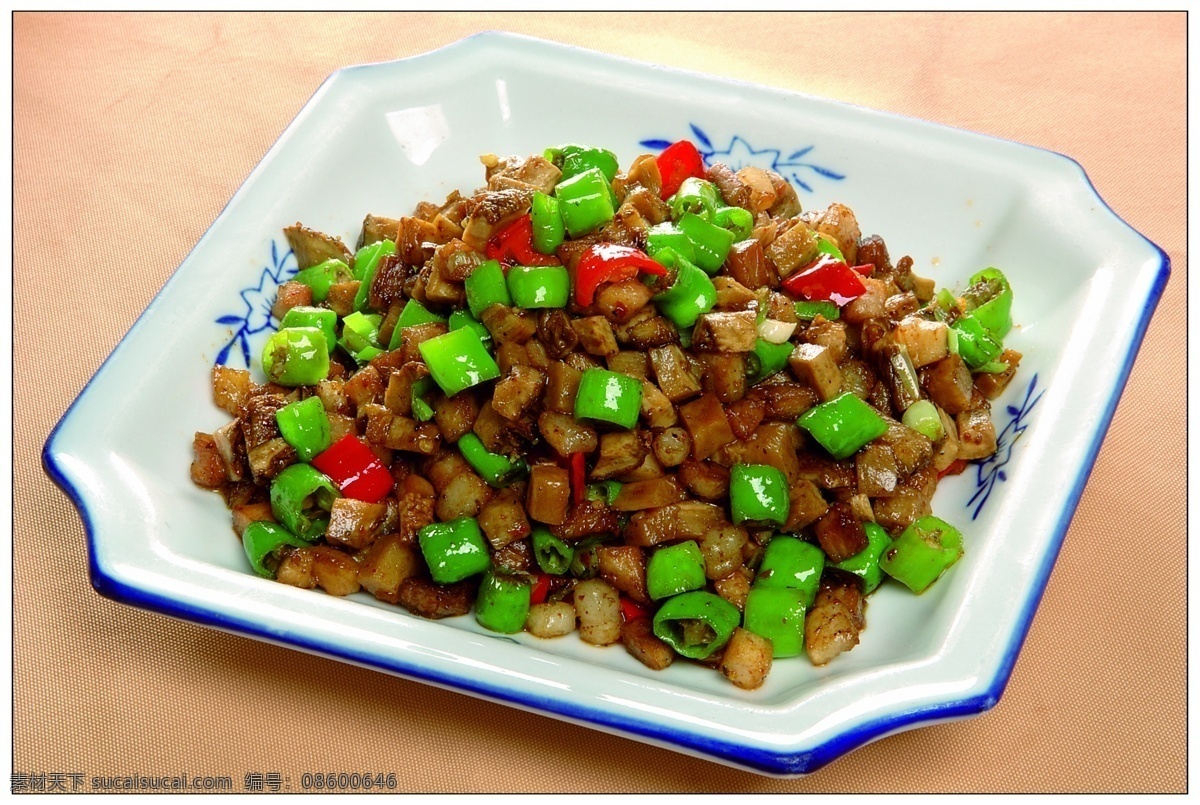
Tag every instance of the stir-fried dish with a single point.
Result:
(665, 407)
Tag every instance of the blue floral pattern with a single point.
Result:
(255, 316)
(990, 471)
(740, 154)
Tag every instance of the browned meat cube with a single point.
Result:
(873, 251)
(926, 340)
(725, 332)
(503, 519)
(364, 386)
(387, 563)
(565, 434)
(858, 378)
(508, 325)
(706, 422)
(815, 365)
(704, 479)
(911, 449)
(878, 473)
(596, 336)
(772, 443)
(786, 401)
(722, 548)
(425, 599)
(724, 375)
(556, 333)
(674, 373)
(516, 393)
(312, 247)
(747, 659)
(640, 641)
(405, 433)
(621, 301)
(746, 414)
(731, 294)
(678, 521)
(548, 493)
(833, 624)
(208, 470)
(992, 384)
(624, 567)
(657, 410)
(619, 453)
(231, 388)
(376, 228)
(948, 383)
(747, 264)
(562, 385)
(840, 533)
(762, 187)
(354, 523)
(411, 236)
(807, 505)
(649, 494)
(828, 334)
(398, 394)
(248, 513)
(335, 572)
(296, 569)
(630, 362)
(291, 294)
(794, 249)
(491, 211)
(840, 224)
(589, 517)
(899, 511)
(735, 587)
(901, 305)
(416, 335)
(341, 297)
(976, 434)
(871, 304)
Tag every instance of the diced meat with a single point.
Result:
(794, 249)
(840, 533)
(548, 493)
(815, 365)
(806, 505)
(354, 523)
(503, 519)
(747, 658)
(619, 453)
(384, 566)
(640, 641)
(425, 599)
(376, 228)
(624, 567)
(518, 391)
(926, 340)
(649, 494)
(840, 224)
(291, 294)
(589, 517)
(705, 479)
(311, 247)
(976, 434)
(596, 336)
(948, 383)
(725, 332)
(706, 422)
(673, 373)
(833, 624)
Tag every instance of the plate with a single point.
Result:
(379, 138)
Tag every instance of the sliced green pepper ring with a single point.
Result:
(262, 540)
(696, 624)
(301, 497)
(995, 314)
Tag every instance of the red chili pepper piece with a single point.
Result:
(355, 470)
(578, 481)
(677, 162)
(513, 245)
(631, 610)
(826, 278)
(541, 589)
(956, 467)
(610, 262)
(865, 269)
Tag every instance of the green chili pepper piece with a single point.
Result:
(696, 624)
(301, 497)
(777, 613)
(366, 263)
(485, 287)
(322, 276)
(538, 287)
(422, 410)
(463, 318)
(262, 540)
(767, 359)
(758, 493)
(737, 220)
(322, 318)
(669, 236)
(609, 397)
(976, 345)
(922, 552)
(993, 367)
(690, 296)
(807, 310)
(843, 425)
(412, 314)
(922, 416)
(458, 360)
(296, 356)
(794, 563)
(454, 550)
(497, 470)
(585, 202)
(575, 159)
(865, 564)
(826, 246)
(305, 426)
(502, 603)
(989, 300)
(675, 569)
(553, 555)
(711, 242)
(606, 491)
(695, 196)
(360, 331)
(585, 564)
(548, 227)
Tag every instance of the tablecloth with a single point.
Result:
(132, 131)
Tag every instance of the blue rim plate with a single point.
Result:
(379, 138)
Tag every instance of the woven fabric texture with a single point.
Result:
(132, 131)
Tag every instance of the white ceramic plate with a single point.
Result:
(380, 138)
